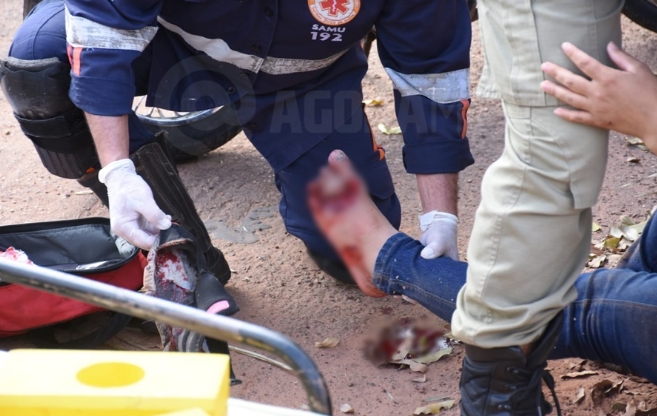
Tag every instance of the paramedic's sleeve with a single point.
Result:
(104, 37)
(424, 46)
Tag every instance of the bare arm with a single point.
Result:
(438, 192)
(110, 136)
(623, 99)
(134, 215)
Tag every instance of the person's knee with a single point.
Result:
(42, 35)
(37, 91)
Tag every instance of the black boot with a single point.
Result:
(170, 194)
(503, 382)
(334, 268)
(90, 181)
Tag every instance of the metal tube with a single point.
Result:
(148, 307)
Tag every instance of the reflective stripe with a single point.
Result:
(448, 87)
(283, 66)
(219, 50)
(216, 49)
(84, 33)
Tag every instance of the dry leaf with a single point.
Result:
(373, 103)
(433, 408)
(578, 374)
(596, 262)
(635, 141)
(388, 130)
(626, 220)
(650, 412)
(84, 192)
(433, 357)
(615, 232)
(605, 388)
(629, 232)
(413, 365)
(595, 227)
(617, 387)
(435, 399)
(631, 409)
(422, 379)
(632, 159)
(345, 408)
(623, 244)
(576, 365)
(598, 390)
(418, 367)
(611, 242)
(613, 259)
(328, 343)
(580, 395)
(639, 226)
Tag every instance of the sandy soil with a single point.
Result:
(278, 287)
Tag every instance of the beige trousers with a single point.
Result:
(532, 230)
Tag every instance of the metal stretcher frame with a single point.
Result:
(171, 313)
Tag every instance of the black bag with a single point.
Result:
(83, 247)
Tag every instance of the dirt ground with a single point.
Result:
(277, 286)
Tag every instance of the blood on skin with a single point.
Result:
(343, 200)
(353, 258)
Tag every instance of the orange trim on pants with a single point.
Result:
(375, 145)
(464, 116)
(74, 59)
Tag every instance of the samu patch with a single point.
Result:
(334, 12)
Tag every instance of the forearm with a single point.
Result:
(110, 136)
(438, 192)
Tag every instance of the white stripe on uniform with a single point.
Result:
(219, 50)
(216, 49)
(443, 88)
(284, 66)
(84, 33)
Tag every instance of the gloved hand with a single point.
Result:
(134, 215)
(439, 235)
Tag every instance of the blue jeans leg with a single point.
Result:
(641, 255)
(611, 320)
(399, 270)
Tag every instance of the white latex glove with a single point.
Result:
(134, 215)
(439, 235)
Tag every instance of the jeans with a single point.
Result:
(611, 319)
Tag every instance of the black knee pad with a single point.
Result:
(37, 91)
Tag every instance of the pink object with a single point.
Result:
(14, 254)
(218, 307)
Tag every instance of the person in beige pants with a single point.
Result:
(532, 230)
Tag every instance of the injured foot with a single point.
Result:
(349, 220)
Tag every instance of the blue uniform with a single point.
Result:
(292, 69)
